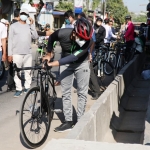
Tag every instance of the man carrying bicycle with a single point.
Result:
(75, 44)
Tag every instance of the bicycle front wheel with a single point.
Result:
(35, 118)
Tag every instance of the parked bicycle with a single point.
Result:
(100, 63)
(41, 51)
(37, 108)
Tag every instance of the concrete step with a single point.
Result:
(132, 138)
(112, 136)
(129, 122)
(66, 144)
(134, 103)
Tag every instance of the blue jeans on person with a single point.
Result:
(0, 57)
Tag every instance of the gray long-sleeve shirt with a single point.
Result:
(19, 40)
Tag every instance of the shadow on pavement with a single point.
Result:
(59, 105)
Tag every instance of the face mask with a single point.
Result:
(67, 21)
(80, 43)
(23, 17)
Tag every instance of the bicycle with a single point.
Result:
(36, 114)
(42, 44)
(100, 64)
(41, 51)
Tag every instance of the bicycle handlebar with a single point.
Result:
(32, 68)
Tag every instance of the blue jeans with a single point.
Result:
(0, 57)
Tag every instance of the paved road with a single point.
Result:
(9, 122)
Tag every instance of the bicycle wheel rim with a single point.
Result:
(33, 143)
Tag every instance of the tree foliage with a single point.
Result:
(65, 6)
(117, 10)
(95, 4)
(139, 18)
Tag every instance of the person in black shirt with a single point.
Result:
(74, 62)
(100, 32)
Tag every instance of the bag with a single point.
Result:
(145, 74)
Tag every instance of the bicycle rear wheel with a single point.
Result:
(112, 59)
(108, 68)
(34, 126)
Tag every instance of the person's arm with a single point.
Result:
(40, 33)
(34, 33)
(10, 41)
(3, 40)
(112, 35)
(73, 57)
(4, 49)
(54, 37)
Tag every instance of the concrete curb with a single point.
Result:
(94, 125)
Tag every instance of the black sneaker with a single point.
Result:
(95, 96)
(68, 125)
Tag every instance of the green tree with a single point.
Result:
(65, 6)
(95, 4)
(117, 10)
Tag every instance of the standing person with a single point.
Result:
(69, 19)
(129, 36)
(74, 62)
(111, 23)
(47, 31)
(82, 14)
(93, 84)
(100, 32)
(3, 37)
(16, 16)
(10, 78)
(19, 48)
(109, 33)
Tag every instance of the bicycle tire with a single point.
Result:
(113, 59)
(35, 109)
(108, 67)
(121, 63)
(2, 70)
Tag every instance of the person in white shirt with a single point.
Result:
(69, 19)
(109, 33)
(3, 37)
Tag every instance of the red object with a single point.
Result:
(84, 29)
(129, 35)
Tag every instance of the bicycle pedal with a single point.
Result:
(57, 110)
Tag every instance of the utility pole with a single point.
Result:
(104, 7)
